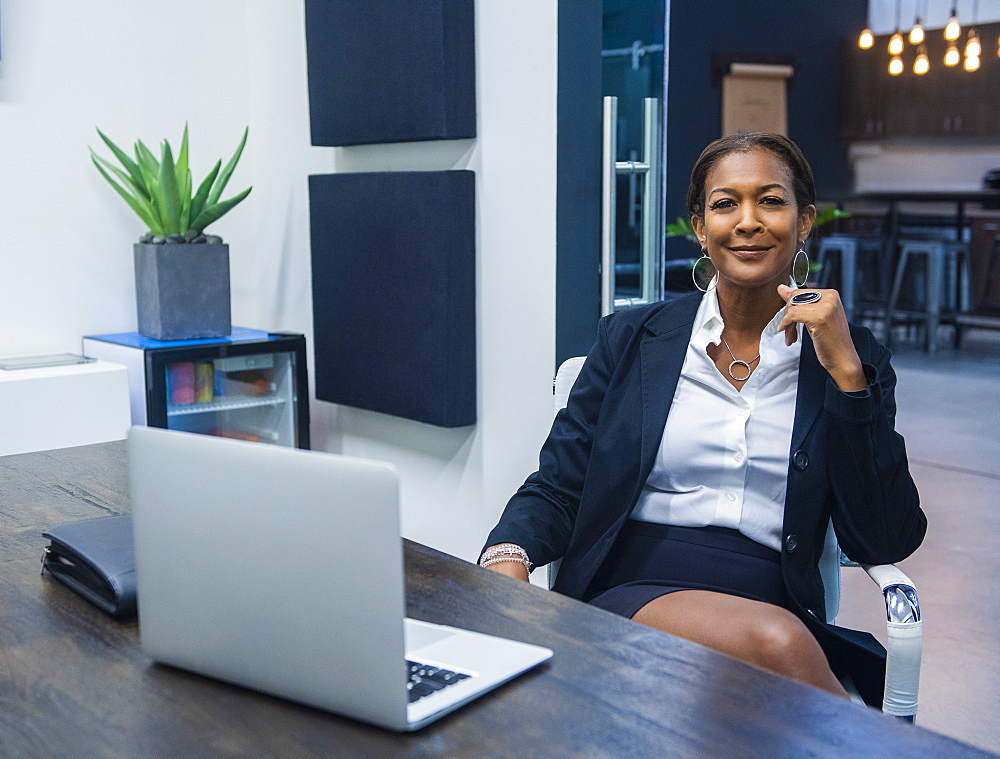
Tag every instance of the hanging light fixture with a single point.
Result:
(953, 31)
(866, 39)
(896, 40)
(973, 49)
(895, 65)
(917, 32)
(921, 64)
(952, 57)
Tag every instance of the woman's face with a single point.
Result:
(752, 227)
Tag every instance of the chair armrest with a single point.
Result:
(901, 601)
(905, 640)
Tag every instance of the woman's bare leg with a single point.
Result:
(758, 633)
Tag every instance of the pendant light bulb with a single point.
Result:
(866, 39)
(896, 66)
(952, 31)
(916, 33)
(921, 64)
(973, 49)
(896, 44)
(972, 63)
(952, 57)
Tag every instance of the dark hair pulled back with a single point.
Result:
(743, 142)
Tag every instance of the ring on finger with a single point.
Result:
(803, 298)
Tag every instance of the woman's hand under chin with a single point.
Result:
(827, 324)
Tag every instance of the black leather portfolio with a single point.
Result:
(95, 558)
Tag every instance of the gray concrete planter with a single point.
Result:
(182, 290)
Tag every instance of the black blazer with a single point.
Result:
(846, 462)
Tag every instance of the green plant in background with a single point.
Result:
(681, 228)
(826, 215)
(159, 191)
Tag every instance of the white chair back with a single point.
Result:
(829, 563)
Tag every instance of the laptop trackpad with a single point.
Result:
(420, 634)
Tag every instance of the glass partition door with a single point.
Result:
(633, 79)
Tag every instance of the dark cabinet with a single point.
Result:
(860, 115)
(947, 102)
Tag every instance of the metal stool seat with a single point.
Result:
(944, 289)
(845, 249)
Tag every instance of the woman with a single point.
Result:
(709, 441)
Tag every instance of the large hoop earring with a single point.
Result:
(800, 267)
(699, 277)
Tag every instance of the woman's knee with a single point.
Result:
(782, 643)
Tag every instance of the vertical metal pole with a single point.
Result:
(651, 232)
(608, 179)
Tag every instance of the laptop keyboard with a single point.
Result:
(423, 679)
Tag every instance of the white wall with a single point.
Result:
(921, 165)
(136, 68)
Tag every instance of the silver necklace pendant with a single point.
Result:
(744, 363)
(739, 361)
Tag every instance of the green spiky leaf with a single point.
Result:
(133, 203)
(139, 195)
(146, 158)
(217, 210)
(228, 171)
(181, 168)
(185, 191)
(171, 206)
(200, 197)
(128, 163)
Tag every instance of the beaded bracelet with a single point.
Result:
(505, 548)
(505, 552)
(499, 559)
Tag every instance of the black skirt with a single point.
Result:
(650, 560)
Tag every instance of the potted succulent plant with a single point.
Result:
(181, 274)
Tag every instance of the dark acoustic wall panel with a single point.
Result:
(394, 293)
(390, 70)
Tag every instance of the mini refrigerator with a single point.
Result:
(251, 385)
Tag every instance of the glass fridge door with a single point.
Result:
(247, 397)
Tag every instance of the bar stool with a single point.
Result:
(944, 286)
(993, 269)
(845, 249)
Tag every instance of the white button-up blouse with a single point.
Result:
(723, 457)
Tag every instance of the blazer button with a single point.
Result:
(791, 543)
(801, 460)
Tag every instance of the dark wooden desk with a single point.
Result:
(74, 683)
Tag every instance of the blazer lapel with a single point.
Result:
(810, 392)
(661, 359)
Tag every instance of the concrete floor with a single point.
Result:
(949, 414)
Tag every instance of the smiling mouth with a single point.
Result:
(750, 251)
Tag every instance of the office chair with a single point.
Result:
(905, 637)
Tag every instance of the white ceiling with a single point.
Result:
(934, 13)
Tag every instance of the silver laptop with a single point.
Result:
(282, 570)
